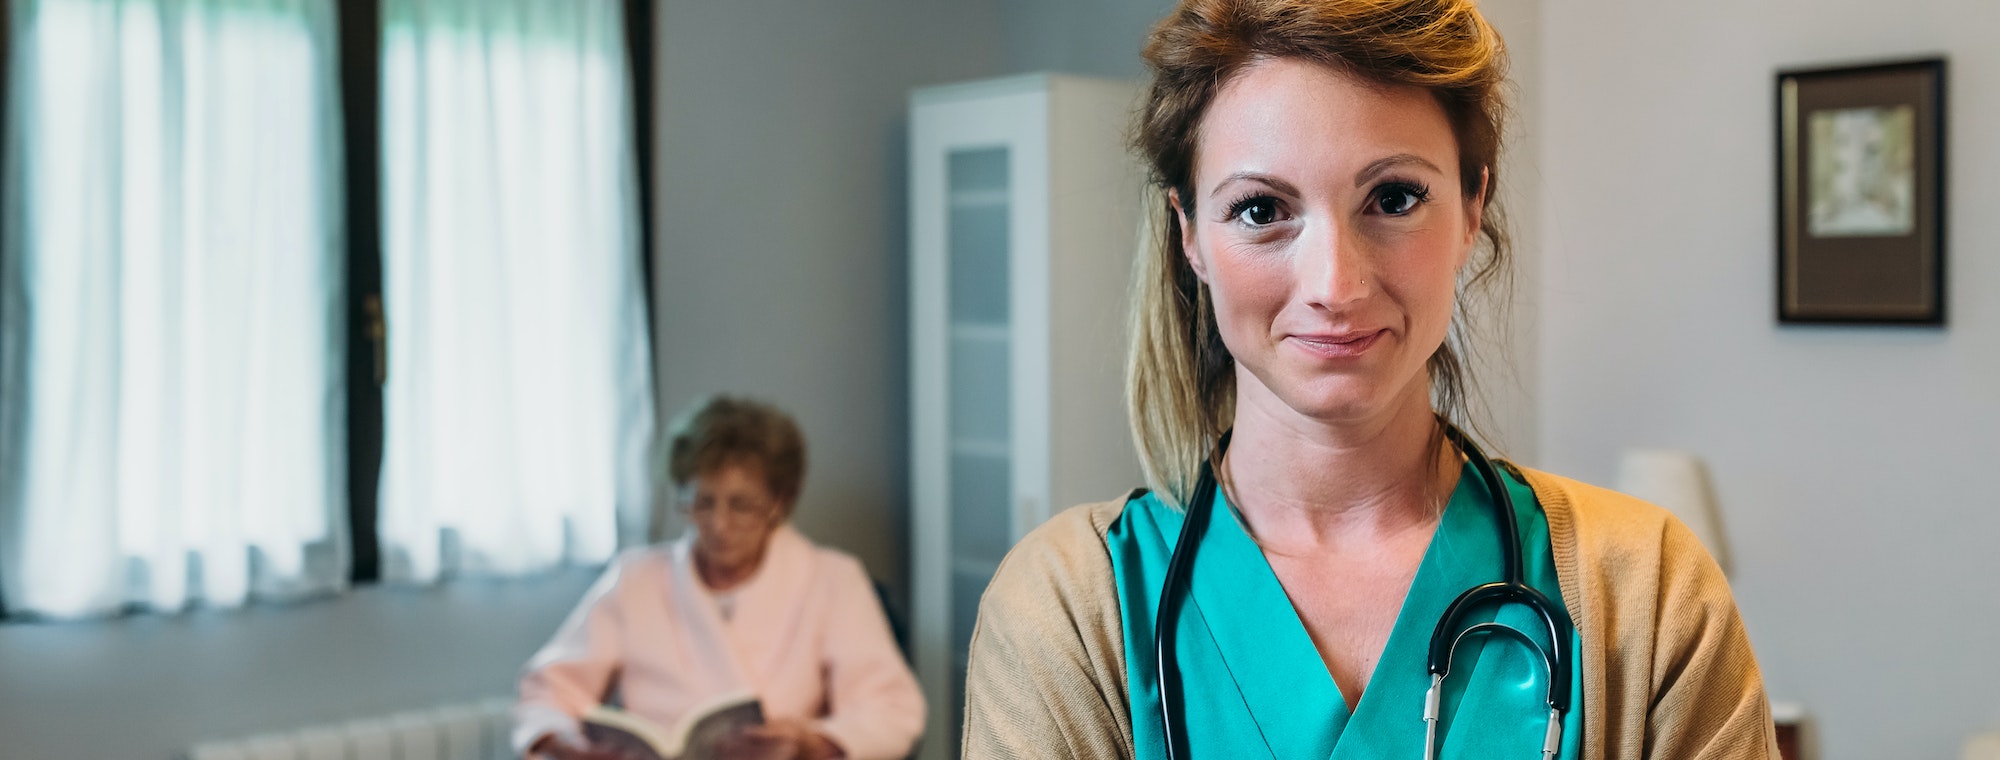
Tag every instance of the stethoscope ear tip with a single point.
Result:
(1553, 742)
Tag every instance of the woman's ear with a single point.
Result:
(1475, 206)
(1186, 228)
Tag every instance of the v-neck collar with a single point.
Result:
(1284, 681)
(1262, 642)
(1464, 552)
(1240, 625)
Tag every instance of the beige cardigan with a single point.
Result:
(1667, 667)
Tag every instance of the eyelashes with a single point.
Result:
(1261, 209)
(1399, 198)
(1394, 198)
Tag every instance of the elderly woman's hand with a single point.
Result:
(557, 747)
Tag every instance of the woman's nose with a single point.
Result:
(1332, 267)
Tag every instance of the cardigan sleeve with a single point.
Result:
(1708, 694)
(1047, 671)
(1668, 672)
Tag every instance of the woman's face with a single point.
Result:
(1330, 224)
(734, 515)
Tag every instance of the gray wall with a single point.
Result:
(1851, 464)
(780, 265)
(1508, 375)
(1095, 37)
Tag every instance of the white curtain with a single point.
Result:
(519, 404)
(171, 412)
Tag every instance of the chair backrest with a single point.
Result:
(896, 625)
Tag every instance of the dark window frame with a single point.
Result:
(360, 64)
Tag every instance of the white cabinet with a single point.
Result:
(1023, 225)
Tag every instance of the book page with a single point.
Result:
(630, 735)
(705, 730)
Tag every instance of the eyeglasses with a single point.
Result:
(735, 507)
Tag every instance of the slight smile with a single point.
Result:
(1338, 345)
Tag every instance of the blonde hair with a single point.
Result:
(1180, 378)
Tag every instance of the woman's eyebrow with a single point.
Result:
(1380, 165)
(1273, 182)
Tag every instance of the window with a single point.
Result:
(519, 406)
(188, 412)
(170, 389)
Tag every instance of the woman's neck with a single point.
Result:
(722, 577)
(1307, 485)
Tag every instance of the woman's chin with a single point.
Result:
(723, 558)
(1341, 400)
(1343, 411)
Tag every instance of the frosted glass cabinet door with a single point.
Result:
(980, 474)
(1013, 385)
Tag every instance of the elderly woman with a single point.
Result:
(1326, 566)
(742, 603)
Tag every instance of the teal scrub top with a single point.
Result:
(1254, 686)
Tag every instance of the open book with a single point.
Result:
(695, 738)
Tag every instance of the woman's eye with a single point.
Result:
(1256, 212)
(1397, 201)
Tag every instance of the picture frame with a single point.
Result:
(1861, 202)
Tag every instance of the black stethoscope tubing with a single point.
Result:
(1444, 639)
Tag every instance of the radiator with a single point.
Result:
(471, 731)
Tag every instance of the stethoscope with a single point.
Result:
(1444, 639)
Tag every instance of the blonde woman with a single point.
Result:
(1296, 583)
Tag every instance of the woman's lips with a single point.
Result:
(1338, 346)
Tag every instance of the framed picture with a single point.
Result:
(1861, 194)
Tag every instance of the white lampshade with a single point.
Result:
(1982, 747)
(1677, 481)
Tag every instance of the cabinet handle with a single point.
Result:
(376, 327)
